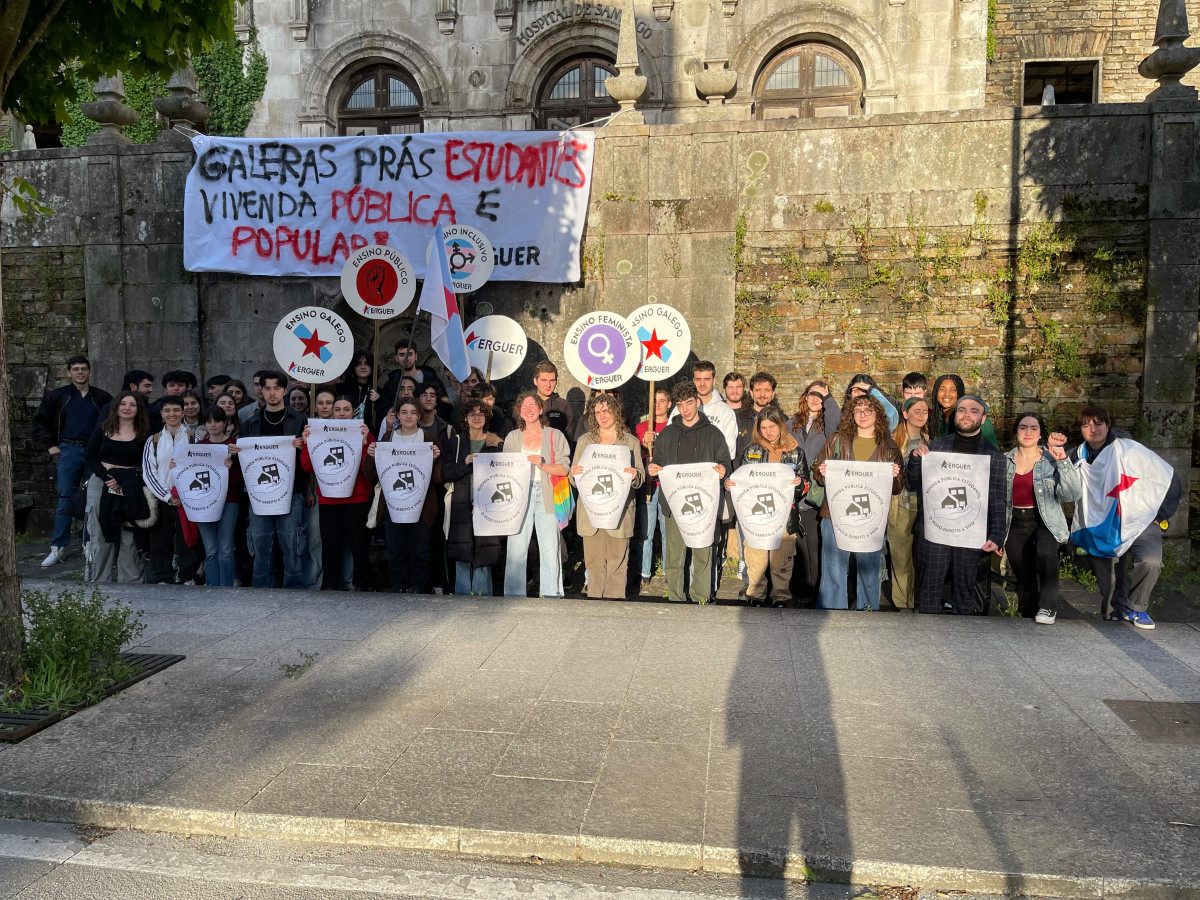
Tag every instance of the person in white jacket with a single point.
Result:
(166, 535)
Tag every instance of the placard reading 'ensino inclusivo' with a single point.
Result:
(601, 350)
(313, 344)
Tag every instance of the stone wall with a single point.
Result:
(1120, 35)
(45, 322)
(1032, 250)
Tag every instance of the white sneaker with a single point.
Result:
(56, 555)
(1045, 617)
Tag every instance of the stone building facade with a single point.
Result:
(519, 64)
(1097, 43)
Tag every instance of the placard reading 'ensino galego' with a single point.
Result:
(302, 206)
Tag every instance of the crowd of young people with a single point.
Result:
(117, 455)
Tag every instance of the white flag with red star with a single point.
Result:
(1122, 490)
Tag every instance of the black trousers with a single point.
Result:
(408, 547)
(1033, 554)
(166, 541)
(806, 571)
(344, 524)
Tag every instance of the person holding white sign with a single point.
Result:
(344, 519)
(1041, 479)
(862, 436)
(547, 451)
(409, 543)
(816, 418)
(771, 443)
(596, 473)
(474, 554)
(166, 535)
(219, 537)
(966, 565)
(689, 438)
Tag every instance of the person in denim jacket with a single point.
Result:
(1040, 479)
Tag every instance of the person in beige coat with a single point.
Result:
(606, 551)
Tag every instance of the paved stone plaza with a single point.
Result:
(960, 753)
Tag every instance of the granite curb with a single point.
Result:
(579, 848)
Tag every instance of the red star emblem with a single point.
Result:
(654, 345)
(312, 345)
(1124, 484)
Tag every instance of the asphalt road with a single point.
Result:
(40, 861)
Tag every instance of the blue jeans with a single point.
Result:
(649, 512)
(835, 569)
(69, 474)
(546, 526)
(293, 544)
(218, 540)
(472, 583)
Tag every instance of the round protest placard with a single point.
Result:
(202, 480)
(666, 340)
(378, 282)
(859, 495)
(497, 339)
(470, 254)
(601, 350)
(313, 344)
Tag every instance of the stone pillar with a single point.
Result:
(1173, 275)
(629, 85)
(716, 80)
(109, 111)
(181, 107)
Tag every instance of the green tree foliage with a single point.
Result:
(139, 37)
(232, 79)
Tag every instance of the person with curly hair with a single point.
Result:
(817, 417)
(771, 443)
(862, 436)
(606, 550)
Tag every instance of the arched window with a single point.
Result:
(574, 93)
(380, 100)
(808, 80)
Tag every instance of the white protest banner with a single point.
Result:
(404, 474)
(301, 206)
(693, 494)
(955, 498)
(762, 498)
(500, 482)
(202, 480)
(269, 471)
(604, 484)
(859, 495)
(335, 448)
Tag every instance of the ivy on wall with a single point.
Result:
(232, 78)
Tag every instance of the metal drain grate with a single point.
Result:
(20, 725)
(1160, 722)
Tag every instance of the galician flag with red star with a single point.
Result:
(1122, 490)
(445, 321)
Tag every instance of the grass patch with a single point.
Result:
(72, 651)
(1068, 568)
(296, 669)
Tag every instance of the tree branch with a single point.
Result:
(19, 57)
